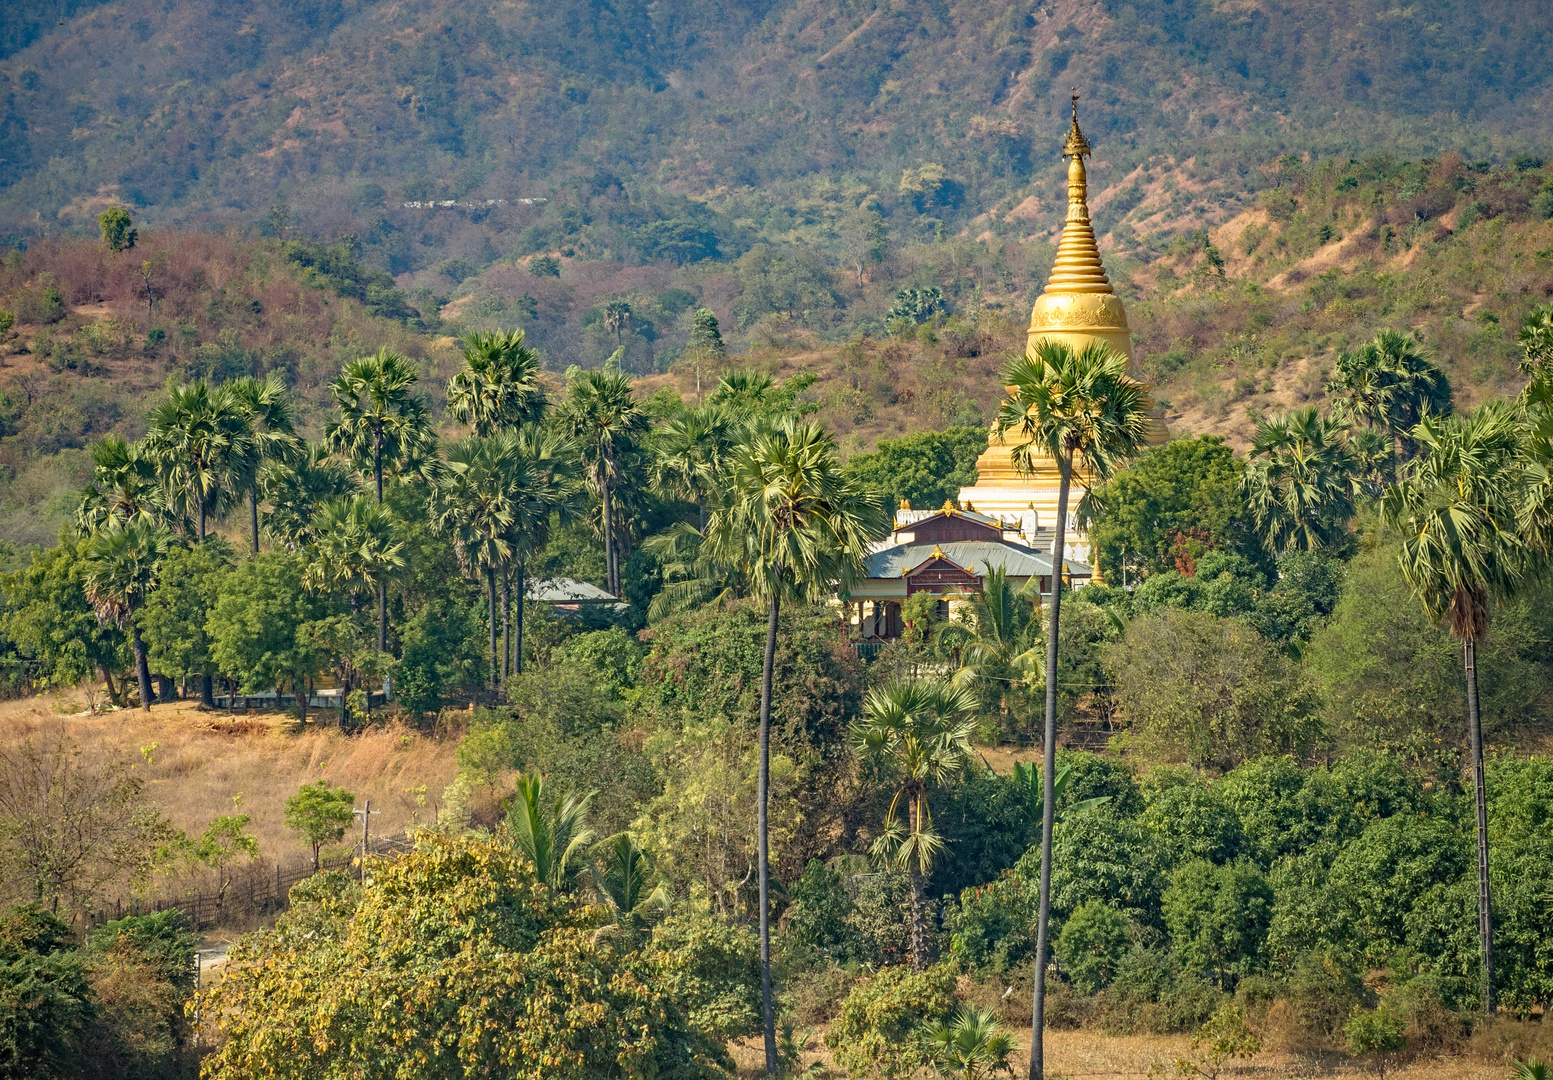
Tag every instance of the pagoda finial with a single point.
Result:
(1077, 145)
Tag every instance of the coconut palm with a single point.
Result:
(272, 418)
(1299, 481)
(356, 546)
(997, 642)
(473, 504)
(919, 733)
(381, 421)
(1456, 507)
(605, 420)
(296, 489)
(1066, 405)
(122, 566)
(201, 440)
(1387, 384)
(550, 830)
(970, 1047)
(624, 878)
(800, 530)
(499, 386)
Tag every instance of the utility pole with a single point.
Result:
(366, 833)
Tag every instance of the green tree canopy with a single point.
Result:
(924, 469)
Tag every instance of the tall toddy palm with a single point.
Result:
(1065, 405)
(499, 386)
(1457, 509)
(605, 419)
(800, 528)
(123, 562)
(272, 422)
(380, 420)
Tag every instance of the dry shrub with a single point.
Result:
(1505, 1038)
(814, 995)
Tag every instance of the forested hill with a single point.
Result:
(729, 123)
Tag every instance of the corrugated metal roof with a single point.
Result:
(568, 591)
(975, 555)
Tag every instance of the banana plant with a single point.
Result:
(1027, 780)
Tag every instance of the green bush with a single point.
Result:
(1100, 856)
(877, 1031)
(992, 928)
(1191, 817)
(1218, 917)
(1151, 994)
(712, 970)
(1092, 944)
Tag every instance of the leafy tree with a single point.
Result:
(1063, 404)
(51, 622)
(606, 420)
(45, 996)
(1168, 508)
(118, 229)
(499, 386)
(918, 734)
(1387, 384)
(1298, 482)
(712, 968)
(381, 423)
(876, 1033)
(970, 1047)
(256, 627)
(494, 973)
(1191, 817)
(1091, 945)
(272, 417)
(1462, 546)
(123, 563)
(1218, 917)
(551, 831)
(799, 527)
(176, 611)
(924, 469)
(225, 841)
(321, 814)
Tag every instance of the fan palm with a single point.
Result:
(1299, 481)
(693, 576)
(1457, 509)
(272, 418)
(122, 565)
(544, 482)
(356, 546)
(997, 641)
(1536, 342)
(918, 732)
(799, 529)
(499, 386)
(124, 488)
(380, 419)
(689, 455)
(295, 491)
(605, 419)
(624, 880)
(201, 440)
(1065, 404)
(972, 1046)
(550, 830)
(1387, 384)
(474, 504)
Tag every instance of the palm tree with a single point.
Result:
(800, 529)
(548, 484)
(1065, 404)
(604, 417)
(617, 318)
(1536, 342)
(474, 503)
(122, 566)
(1456, 507)
(272, 418)
(624, 882)
(356, 546)
(972, 1047)
(1387, 384)
(920, 731)
(550, 830)
(693, 574)
(297, 489)
(689, 455)
(124, 488)
(1028, 781)
(1299, 481)
(997, 641)
(381, 419)
(201, 440)
(499, 386)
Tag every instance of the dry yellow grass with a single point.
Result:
(202, 760)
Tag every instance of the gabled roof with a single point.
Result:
(975, 556)
(569, 591)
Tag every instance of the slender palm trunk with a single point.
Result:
(762, 785)
(113, 690)
(382, 616)
(1048, 779)
(202, 518)
(518, 643)
(1480, 795)
(506, 620)
(142, 669)
(919, 956)
(490, 580)
(611, 577)
(253, 517)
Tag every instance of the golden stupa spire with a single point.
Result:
(1077, 269)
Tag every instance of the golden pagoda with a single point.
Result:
(1078, 307)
